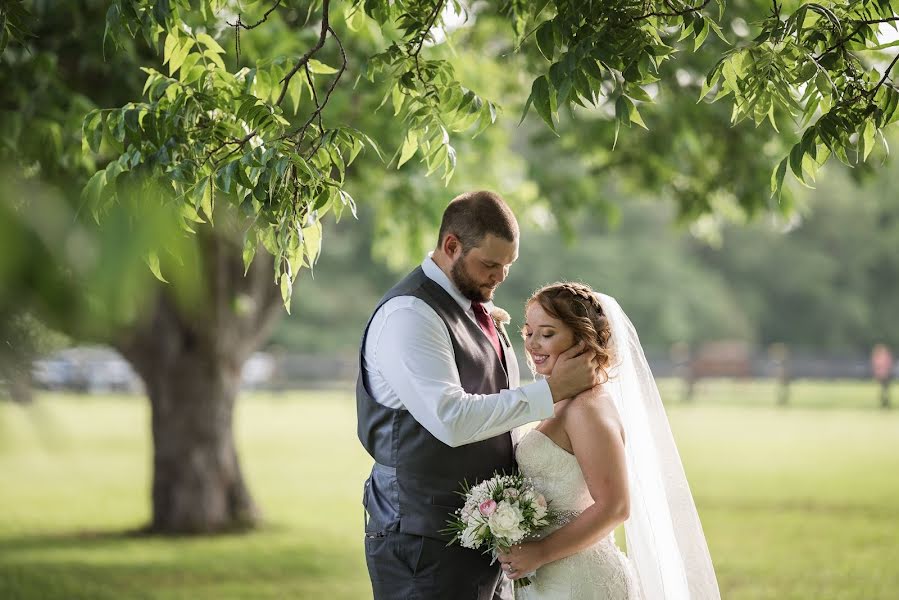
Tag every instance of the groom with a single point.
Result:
(437, 395)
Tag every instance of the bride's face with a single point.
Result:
(545, 338)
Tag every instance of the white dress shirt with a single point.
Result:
(410, 364)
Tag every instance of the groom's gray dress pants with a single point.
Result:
(412, 567)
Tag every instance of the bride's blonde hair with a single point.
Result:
(578, 307)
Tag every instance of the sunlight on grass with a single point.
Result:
(796, 502)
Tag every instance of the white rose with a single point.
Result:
(505, 522)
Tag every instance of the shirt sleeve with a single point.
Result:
(415, 356)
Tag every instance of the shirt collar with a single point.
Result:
(436, 274)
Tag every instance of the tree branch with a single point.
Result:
(320, 106)
(859, 24)
(305, 58)
(240, 24)
(886, 75)
(840, 43)
(429, 24)
(874, 21)
(679, 13)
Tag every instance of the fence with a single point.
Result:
(98, 369)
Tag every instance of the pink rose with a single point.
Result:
(540, 500)
(487, 507)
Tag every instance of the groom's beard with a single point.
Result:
(468, 285)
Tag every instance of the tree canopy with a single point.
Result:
(271, 127)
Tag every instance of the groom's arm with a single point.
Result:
(413, 352)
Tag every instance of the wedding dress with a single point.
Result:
(601, 572)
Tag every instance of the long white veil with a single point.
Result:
(664, 536)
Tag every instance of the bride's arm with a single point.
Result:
(594, 428)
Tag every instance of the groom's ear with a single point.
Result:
(450, 245)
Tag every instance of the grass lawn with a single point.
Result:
(797, 503)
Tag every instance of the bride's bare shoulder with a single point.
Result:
(594, 408)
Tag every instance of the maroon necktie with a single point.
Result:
(488, 327)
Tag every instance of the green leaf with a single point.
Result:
(295, 93)
(823, 83)
(623, 109)
(189, 63)
(398, 98)
(207, 199)
(410, 145)
(215, 58)
(312, 242)
(796, 160)
(152, 260)
(636, 118)
(249, 249)
(546, 39)
(868, 138)
(543, 100)
(527, 107)
(730, 74)
(373, 145)
(92, 193)
(190, 213)
(178, 55)
(92, 130)
(286, 288)
(208, 41)
(777, 178)
(701, 33)
(637, 93)
(171, 44)
(593, 68)
(320, 68)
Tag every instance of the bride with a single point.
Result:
(606, 458)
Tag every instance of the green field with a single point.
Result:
(797, 503)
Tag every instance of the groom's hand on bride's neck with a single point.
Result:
(575, 371)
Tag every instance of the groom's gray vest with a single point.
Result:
(413, 484)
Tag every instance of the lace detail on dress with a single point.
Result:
(601, 572)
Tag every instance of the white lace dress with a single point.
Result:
(601, 572)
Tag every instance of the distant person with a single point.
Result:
(882, 369)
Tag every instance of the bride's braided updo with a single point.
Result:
(578, 307)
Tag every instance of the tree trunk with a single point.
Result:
(20, 386)
(197, 482)
(190, 354)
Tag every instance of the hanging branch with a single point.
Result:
(429, 24)
(674, 13)
(241, 25)
(320, 107)
(305, 58)
(886, 75)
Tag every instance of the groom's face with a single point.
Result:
(478, 271)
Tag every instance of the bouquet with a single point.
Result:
(499, 512)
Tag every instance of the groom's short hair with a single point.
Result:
(473, 215)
